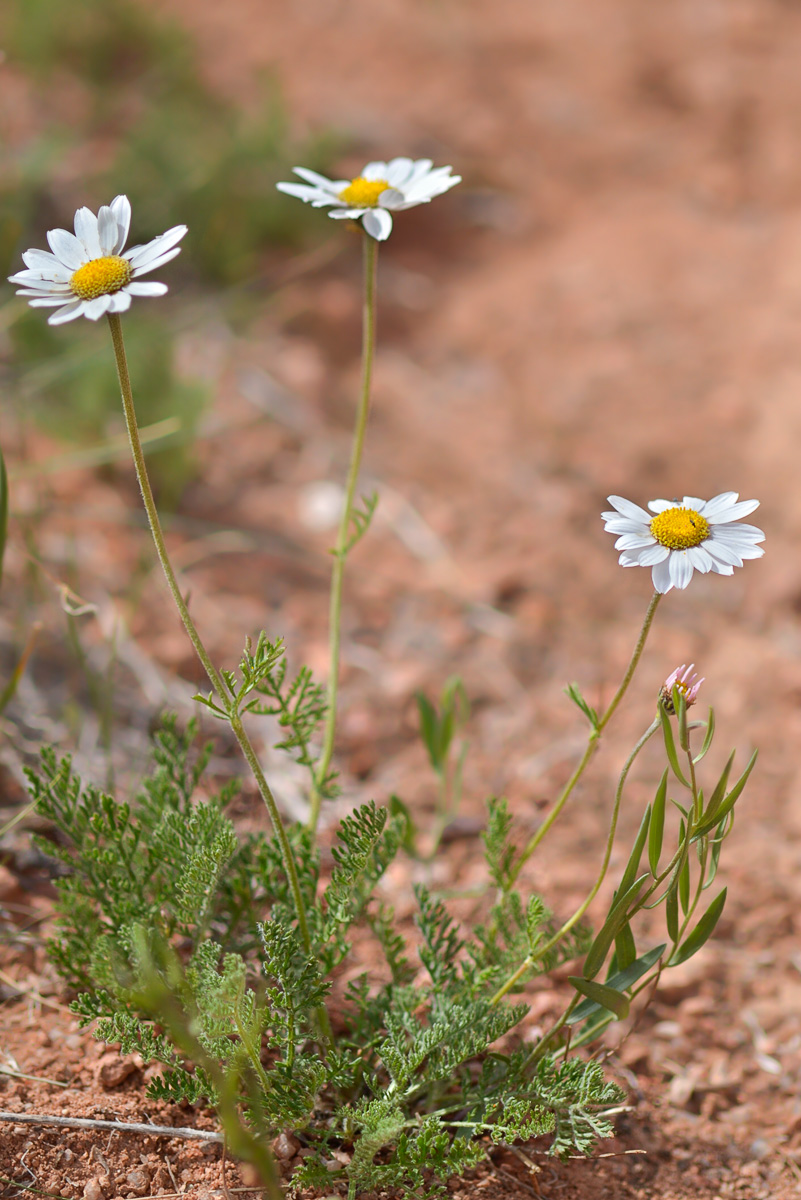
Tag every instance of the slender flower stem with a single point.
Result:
(214, 676)
(344, 536)
(539, 952)
(635, 658)
(594, 738)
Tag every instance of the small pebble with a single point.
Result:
(285, 1146)
(138, 1180)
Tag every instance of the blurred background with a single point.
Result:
(609, 303)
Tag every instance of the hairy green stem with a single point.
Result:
(592, 743)
(215, 678)
(343, 537)
(540, 952)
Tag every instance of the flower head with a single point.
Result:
(696, 535)
(89, 272)
(381, 189)
(687, 683)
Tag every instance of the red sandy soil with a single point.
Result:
(609, 304)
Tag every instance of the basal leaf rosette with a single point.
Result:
(381, 189)
(89, 272)
(677, 539)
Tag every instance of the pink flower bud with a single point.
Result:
(686, 681)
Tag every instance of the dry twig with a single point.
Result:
(169, 1131)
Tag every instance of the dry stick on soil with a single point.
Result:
(205, 1135)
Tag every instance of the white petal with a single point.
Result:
(45, 301)
(614, 523)
(145, 289)
(630, 510)
(42, 287)
(660, 506)
(154, 265)
(398, 171)
(721, 501)
(722, 552)
(49, 266)
(692, 502)
(31, 278)
(737, 533)
(700, 560)
(722, 568)
(733, 512)
(661, 577)
(40, 294)
(376, 170)
(86, 232)
(320, 181)
(67, 249)
(431, 185)
(347, 214)
(634, 541)
(378, 223)
(140, 255)
(309, 195)
(391, 198)
(412, 203)
(681, 568)
(107, 230)
(421, 167)
(68, 313)
(95, 309)
(120, 302)
(653, 554)
(121, 207)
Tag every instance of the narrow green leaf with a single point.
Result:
(621, 980)
(397, 808)
(702, 931)
(630, 872)
(684, 811)
(429, 730)
(592, 1030)
(602, 994)
(710, 733)
(670, 746)
(572, 690)
(684, 884)
(712, 871)
(625, 948)
(728, 804)
(719, 790)
(445, 733)
(672, 907)
(609, 930)
(656, 831)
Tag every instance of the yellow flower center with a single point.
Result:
(679, 528)
(101, 277)
(363, 193)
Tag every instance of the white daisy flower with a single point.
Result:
(88, 274)
(381, 189)
(696, 535)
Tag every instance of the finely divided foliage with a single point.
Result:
(423, 1077)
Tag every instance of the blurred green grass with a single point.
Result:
(119, 88)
